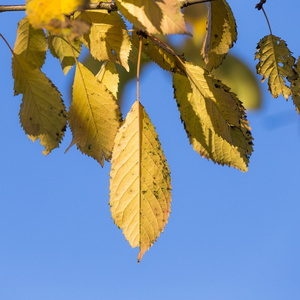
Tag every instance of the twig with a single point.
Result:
(109, 6)
(259, 5)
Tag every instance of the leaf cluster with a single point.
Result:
(213, 117)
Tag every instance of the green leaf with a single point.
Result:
(108, 39)
(31, 43)
(154, 16)
(213, 117)
(276, 63)
(42, 114)
(140, 184)
(61, 49)
(221, 33)
(295, 87)
(109, 76)
(94, 116)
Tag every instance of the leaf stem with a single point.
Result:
(187, 3)
(267, 20)
(139, 125)
(138, 68)
(6, 42)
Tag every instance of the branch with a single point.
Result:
(110, 6)
(259, 5)
(102, 5)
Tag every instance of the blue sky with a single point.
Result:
(230, 236)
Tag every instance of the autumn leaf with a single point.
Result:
(140, 184)
(42, 114)
(108, 39)
(221, 33)
(51, 15)
(109, 76)
(61, 49)
(154, 16)
(157, 51)
(295, 87)
(213, 117)
(275, 63)
(94, 116)
(31, 43)
(41, 12)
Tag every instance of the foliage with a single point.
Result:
(213, 116)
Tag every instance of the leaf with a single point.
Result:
(109, 76)
(157, 51)
(140, 184)
(275, 62)
(295, 87)
(242, 81)
(60, 48)
(221, 33)
(108, 38)
(213, 117)
(154, 16)
(31, 43)
(42, 12)
(94, 116)
(42, 114)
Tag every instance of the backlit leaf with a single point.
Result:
(42, 13)
(108, 38)
(109, 76)
(31, 43)
(42, 114)
(157, 51)
(275, 63)
(154, 16)
(213, 117)
(242, 81)
(94, 116)
(61, 49)
(221, 33)
(140, 184)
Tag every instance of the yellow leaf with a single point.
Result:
(31, 43)
(94, 116)
(108, 38)
(157, 51)
(295, 87)
(154, 16)
(109, 76)
(42, 114)
(51, 15)
(242, 81)
(61, 49)
(221, 33)
(275, 62)
(140, 184)
(213, 117)
(41, 12)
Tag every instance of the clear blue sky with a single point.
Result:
(230, 236)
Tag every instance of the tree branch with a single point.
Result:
(110, 6)
(102, 5)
